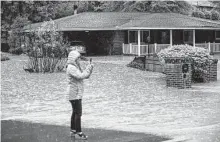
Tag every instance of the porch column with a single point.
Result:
(139, 43)
(194, 38)
(171, 38)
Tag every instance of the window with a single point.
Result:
(165, 37)
(217, 35)
(144, 35)
(133, 36)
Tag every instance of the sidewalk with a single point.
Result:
(17, 131)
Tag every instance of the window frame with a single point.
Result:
(217, 38)
(184, 40)
(141, 34)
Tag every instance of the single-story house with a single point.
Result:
(137, 33)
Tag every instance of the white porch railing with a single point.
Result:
(215, 47)
(204, 45)
(132, 49)
(212, 47)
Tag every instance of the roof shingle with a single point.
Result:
(129, 20)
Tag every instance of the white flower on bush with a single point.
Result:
(200, 56)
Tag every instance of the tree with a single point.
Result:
(217, 5)
(147, 6)
(215, 15)
(16, 32)
(198, 13)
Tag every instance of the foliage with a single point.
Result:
(138, 63)
(147, 6)
(15, 36)
(160, 7)
(215, 15)
(198, 14)
(16, 51)
(48, 52)
(207, 14)
(4, 57)
(217, 5)
(200, 57)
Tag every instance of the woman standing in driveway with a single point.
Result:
(75, 90)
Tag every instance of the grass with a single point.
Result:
(115, 97)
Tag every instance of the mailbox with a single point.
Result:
(185, 68)
(178, 72)
(185, 71)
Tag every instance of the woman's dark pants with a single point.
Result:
(76, 115)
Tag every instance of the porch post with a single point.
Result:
(171, 38)
(139, 43)
(128, 38)
(130, 45)
(194, 38)
(209, 47)
(123, 48)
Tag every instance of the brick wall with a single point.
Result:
(152, 63)
(213, 71)
(117, 42)
(174, 75)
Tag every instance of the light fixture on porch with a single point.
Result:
(86, 31)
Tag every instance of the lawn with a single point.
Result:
(116, 97)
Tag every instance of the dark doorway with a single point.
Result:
(96, 42)
(178, 37)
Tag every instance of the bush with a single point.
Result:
(15, 36)
(45, 64)
(215, 15)
(200, 58)
(208, 14)
(17, 51)
(138, 62)
(199, 14)
(46, 49)
(4, 57)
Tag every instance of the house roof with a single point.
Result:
(128, 20)
(203, 4)
(170, 21)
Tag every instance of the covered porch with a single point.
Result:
(144, 42)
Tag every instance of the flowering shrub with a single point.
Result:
(200, 57)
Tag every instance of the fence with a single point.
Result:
(132, 49)
(212, 47)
